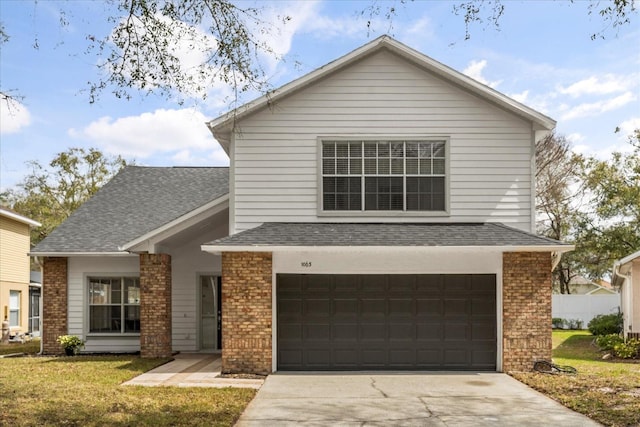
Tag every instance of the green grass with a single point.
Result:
(86, 391)
(31, 347)
(607, 391)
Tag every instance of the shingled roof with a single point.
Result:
(136, 201)
(387, 234)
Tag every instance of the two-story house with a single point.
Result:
(377, 214)
(15, 270)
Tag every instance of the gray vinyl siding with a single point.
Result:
(276, 158)
(79, 268)
(187, 261)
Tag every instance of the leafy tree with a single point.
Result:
(557, 195)
(144, 52)
(50, 194)
(612, 229)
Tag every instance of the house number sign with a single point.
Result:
(306, 264)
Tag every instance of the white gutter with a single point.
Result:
(217, 250)
(20, 218)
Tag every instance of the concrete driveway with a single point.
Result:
(404, 399)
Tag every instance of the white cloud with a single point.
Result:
(14, 116)
(628, 126)
(575, 138)
(474, 70)
(595, 108)
(161, 131)
(605, 85)
(520, 97)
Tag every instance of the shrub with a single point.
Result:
(608, 342)
(605, 324)
(71, 344)
(627, 350)
(558, 323)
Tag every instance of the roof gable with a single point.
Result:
(135, 202)
(221, 126)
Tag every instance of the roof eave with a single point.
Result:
(84, 254)
(20, 218)
(217, 249)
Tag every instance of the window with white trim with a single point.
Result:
(114, 305)
(14, 308)
(384, 175)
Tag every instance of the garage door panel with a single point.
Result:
(345, 308)
(317, 332)
(429, 333)
(401, 307)
(372, 284)
(456, 332)
(456, 307)
(344, 331)
(429, 307)
(402, 331)
(339, 322)
(373, 331)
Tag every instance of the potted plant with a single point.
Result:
(71, 344)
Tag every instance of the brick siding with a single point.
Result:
(526, 302)
(155, 305)
(246, 312)
(54, 304)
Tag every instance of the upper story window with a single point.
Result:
(114, 304)
(384, 175)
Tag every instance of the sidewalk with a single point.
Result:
(192, 370)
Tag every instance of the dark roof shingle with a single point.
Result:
(136, 201)
(386, 234)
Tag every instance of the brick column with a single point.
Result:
(54, 304)
(526, 309)
(155, 305)
(246, 312)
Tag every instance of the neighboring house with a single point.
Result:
(14, 269)
(626, 277)
(580, 285)
(377, 214)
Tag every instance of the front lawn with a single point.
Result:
(607, 391)
(30, 347)
(86, 391)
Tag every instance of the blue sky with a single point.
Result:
(542, 56)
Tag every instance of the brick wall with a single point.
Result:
(155, 305)
(246, 312)
(526, 301)
(54, 304)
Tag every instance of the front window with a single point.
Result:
(14, 308)
(114, 304)
(383, 175)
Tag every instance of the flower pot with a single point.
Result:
(70, 351)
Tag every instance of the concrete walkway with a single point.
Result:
(404, 399)
(192, 370)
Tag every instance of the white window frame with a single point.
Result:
(383, 213)
(15, 308)
(122, 304)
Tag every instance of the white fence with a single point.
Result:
(584, 307)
